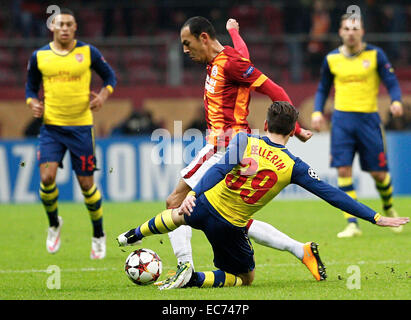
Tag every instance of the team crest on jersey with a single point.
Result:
(79, 57)
(214, 71)
(313, 174)
(366, 64)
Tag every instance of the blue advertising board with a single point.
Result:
(142, 168)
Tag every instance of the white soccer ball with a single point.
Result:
(143, 266)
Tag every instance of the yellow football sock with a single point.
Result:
(346, 184)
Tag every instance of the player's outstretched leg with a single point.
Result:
(160, 224)
(185, 278)
(266, 235)
(180, 240)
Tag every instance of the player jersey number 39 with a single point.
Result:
(263, 181)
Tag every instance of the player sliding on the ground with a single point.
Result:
(231, 77)
(251, 173)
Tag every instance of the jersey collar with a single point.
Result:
(270, 143)
(55, 51)
(340, 49)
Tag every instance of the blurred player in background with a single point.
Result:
(230, 79)
(64, 66)
(355, 69)
(231, 192)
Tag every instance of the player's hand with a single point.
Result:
(37, 107)
(317, 121)
(392, 222)
(396, 109)
(304, 135)
(187, 205)
(97, 102)
(232, 24)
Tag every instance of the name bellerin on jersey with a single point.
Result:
(268, 155)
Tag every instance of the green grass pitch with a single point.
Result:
(380, 258)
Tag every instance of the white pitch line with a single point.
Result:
(63, 270)
(296, 264)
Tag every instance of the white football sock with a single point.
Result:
(180, 240)
(266, 235)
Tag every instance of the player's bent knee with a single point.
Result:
(344, 172)
(378, 176)
(174, 200)
(85, 182)
(47, 179)
(178, 219)
(170, 202)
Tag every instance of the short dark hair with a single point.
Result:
(281, 117)
(198, 25)
(67, 11)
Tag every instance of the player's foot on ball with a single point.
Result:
(98, 248)
(393, 214)
(169, 275)
(128, 238)
(53, 237)
(313, 262)
(180, 279)
(351, 230)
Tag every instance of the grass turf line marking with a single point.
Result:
(91, 269)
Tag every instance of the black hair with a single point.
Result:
(67, 11)
(198, 25)
(281, 117)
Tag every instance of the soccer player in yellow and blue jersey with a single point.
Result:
(355, 69)
(252, 172)
(231, 78)
(64, 66)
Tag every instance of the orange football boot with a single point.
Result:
(313, 262)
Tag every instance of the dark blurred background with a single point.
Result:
(287, 40)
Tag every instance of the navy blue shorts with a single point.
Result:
(233, 251)
(54, 141)
(353, 132)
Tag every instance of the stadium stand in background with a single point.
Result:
(140, 39)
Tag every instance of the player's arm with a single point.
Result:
(33, 86)
(305, 177)
(387, 75)
(217, 172)
(233, 29)
(323, 90)
(277, 93)
(104, 70)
